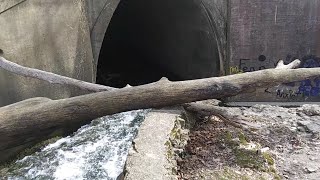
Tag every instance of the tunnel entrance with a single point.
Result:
(147, 40)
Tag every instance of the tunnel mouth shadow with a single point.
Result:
(147, 40)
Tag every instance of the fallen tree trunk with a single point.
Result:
(28, 122)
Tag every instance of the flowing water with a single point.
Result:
(95, 151)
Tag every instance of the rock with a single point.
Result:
(314, 128)
(289, 171)
(310, 126)
(313, 158)
(311, 109)
(178, 150)
(301, 129)
(293, 128)
(121, 176)
(264, 149)
(311, 169)
(303, 123)
(295, 162)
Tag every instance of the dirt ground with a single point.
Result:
(285, 145)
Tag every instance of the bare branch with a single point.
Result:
(294, 64)
(50, 77)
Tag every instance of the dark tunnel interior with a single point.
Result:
(147, 40)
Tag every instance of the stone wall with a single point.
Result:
(262, 32)
(65, 37)
(100, 14)
(48, 35)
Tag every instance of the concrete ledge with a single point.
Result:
(148, 158)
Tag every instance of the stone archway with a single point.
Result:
(147, 40)
(99, 16)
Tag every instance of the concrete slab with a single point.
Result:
(148, 157)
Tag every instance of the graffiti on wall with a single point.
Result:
(249, 65)
(310, 87)
(293, 90)
(235, 70)
(246, 66)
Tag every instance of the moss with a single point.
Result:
(177, 140)
(273, 171)
(228, 136)
(242, 138)
(250, 159)
(276, 176)
(181, 122)
(268, 158)
(227, 139)
(177, 135)
(190, 119)
(170, 153)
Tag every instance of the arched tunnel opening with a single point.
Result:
(147, 40)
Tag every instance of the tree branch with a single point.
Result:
(294, 64)
(63, 80)
(50, 77)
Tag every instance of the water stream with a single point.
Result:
(95, 151)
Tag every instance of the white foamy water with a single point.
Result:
(95, 151)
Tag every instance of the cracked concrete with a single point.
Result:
(148, 157)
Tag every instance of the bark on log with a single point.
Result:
(28, 122)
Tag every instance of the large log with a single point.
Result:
(28, 122)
